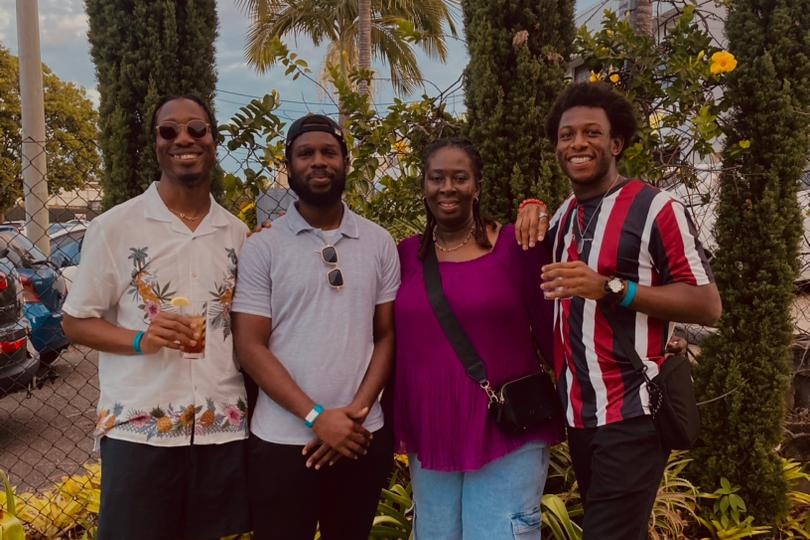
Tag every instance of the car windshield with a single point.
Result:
(26, 249)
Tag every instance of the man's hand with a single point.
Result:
(561, 280)
(341, 431)
(531, 225)
(321, 454)
(169, 330)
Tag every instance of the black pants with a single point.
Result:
(618, 468)
(288, 500)
(194, 492)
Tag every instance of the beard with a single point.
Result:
(323, 199)
(193, 179)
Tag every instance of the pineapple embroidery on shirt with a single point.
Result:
(145, 287)
(175, 421)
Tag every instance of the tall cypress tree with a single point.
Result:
(758, 233)
(518, 61)
(144, 49)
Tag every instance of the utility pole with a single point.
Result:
(34, 168)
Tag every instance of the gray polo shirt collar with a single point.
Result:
(297, 224)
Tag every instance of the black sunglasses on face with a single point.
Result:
(169, 131)
(334, 276)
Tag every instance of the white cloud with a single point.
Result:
(58, 29)
(5, 23)
(94, 96)
(233, 66)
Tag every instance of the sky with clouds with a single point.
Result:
(64, 47)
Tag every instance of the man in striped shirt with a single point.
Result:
(626, 250)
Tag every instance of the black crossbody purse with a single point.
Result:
(672, 397)
(518, 405)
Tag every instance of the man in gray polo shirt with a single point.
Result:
(313, 326)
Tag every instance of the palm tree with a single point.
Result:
(642, 18)
(364, 39)
(394, 27)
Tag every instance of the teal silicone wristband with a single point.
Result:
(136, 343)
(313, 415)
(630, 295)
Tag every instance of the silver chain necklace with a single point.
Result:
(579, 234)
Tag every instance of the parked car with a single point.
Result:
(17, 365)
(44, 292)
(58, 227)
(66, 248)
(17, 224)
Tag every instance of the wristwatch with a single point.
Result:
(615, 288)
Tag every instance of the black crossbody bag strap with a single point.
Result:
(627, 347)
(447, 319)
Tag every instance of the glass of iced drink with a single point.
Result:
(196, 311)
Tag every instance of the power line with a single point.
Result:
(455, 94)
(591, 13)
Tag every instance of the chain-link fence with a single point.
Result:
(50, 387)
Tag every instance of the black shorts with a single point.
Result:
(196, 492)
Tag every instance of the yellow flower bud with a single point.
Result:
(615, 78)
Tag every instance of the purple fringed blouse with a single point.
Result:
(440, 414)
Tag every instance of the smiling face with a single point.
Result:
(317, 168)
(184, 159)
(450, 186)
(586, 150)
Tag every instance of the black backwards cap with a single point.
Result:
(314, 122)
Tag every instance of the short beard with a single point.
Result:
(320, 200)
(193, 180)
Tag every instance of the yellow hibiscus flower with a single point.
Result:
(722, 62)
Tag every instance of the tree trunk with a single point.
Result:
(364, 40)
(642, 17)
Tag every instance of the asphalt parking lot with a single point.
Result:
(46, 434)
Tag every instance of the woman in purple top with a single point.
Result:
(470, 480)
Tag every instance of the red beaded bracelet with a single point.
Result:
(527, 202)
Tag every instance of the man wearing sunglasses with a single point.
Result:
(313, 324)
(171, 427)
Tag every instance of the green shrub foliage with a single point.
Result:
(144, 49)
(518, 59)
(758, 232)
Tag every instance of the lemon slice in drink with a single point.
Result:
(180, 302)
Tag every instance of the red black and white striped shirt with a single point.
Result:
(639, 233)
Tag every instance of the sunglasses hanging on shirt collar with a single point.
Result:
(329, 256)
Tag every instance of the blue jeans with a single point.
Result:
(501, 501)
